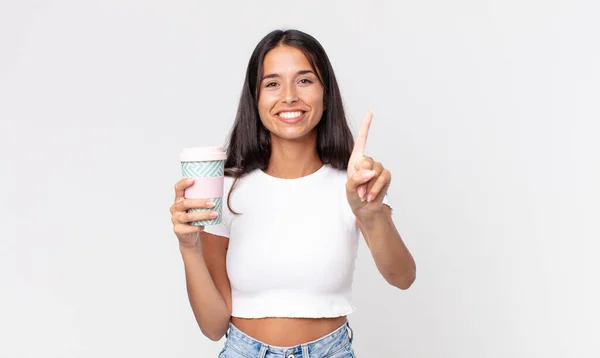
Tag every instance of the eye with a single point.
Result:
(305, 81)
(271, 84)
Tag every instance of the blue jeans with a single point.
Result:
(337, 344)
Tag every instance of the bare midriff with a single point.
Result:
(287, 332)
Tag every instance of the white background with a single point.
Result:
(486, 113)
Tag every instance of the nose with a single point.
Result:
(289, 95)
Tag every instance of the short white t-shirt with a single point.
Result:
(292, 250)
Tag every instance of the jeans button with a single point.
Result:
(291, 356)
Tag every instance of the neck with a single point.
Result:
(293, 159)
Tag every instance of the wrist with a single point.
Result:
(190, 249)
(371, 219)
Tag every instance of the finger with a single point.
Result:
(366, 163)
(181, 186)
(186, 218)
(380, 186)
(185, 204)
(361, 191)
(201, 215)
(378, 168)
(360, 177)
(361, 138)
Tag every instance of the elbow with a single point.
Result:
(215, 331)
(406, 282)
(213, 335)
(403, 281)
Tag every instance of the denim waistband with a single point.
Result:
(329, 344)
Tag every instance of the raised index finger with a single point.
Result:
(361, 137)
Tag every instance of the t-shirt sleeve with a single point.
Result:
(220, 229)
(387, 202)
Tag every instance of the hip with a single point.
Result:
(336, 344)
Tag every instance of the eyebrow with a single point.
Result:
(275, 75)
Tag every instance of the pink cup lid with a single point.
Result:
(202, 154)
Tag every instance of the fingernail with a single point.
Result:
(214, 214)
(210, 203)
(368, 173)
(189, 181)
(361, 191)
(370, 198)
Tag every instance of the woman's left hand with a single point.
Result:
(368, 181)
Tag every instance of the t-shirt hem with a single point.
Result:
(293, 315)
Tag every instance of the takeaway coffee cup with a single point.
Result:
(206, 165)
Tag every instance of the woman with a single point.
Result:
(275, 276)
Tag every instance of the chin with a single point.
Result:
(294, 135)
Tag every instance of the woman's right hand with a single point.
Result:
(188, 235)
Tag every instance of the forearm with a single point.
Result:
(208, 304)
(392, 258)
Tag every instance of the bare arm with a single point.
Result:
(203, 256)
(207, 284)
(366, 188)
(393, 260)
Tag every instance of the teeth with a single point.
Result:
(290, 115)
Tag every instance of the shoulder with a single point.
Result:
(242, 187)
(229, 180)
(333, 175)
(333, 172)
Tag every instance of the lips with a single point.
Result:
(291, 117)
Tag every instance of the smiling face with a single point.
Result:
(290, 102)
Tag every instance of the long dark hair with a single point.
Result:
(249, 144)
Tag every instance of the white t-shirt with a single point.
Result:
(292, 249)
